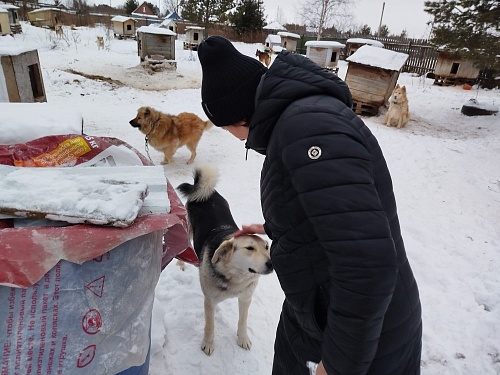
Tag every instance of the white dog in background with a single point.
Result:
(100, 42)
(398, 113)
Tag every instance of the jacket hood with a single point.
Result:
(290, 77)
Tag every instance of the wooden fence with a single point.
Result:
(422, 55)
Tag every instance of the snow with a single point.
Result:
(16, 122)
(487, 107)
(289, 35)
(378, 57)
(155, 30)
(88, 198)
(446, 178)
(324, 43)
(370, 42)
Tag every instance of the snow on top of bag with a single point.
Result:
(52, 194)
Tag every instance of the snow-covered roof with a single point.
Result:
(3, 10)
(289, 35)
(45, 9)
(274, 26)
(371, 42)
(10, 47)
(378, 57)
(324, 43)
(142, 15)
(194, 28)
(8, 6)
(274, 39)
(168, 21)
(121, 19)
(155, 30)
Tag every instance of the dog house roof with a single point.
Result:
(379, 58)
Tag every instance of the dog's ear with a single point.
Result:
(403, 88)
(397, 86)
(224, 249)
(147, 111)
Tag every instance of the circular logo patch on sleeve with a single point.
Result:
(314, 152)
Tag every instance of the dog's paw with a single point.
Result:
(207, 347)
(244, 342)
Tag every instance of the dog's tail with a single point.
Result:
(205, 179)
(208, 124)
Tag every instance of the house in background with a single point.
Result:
(371, 76)
(274, 27)
(144, 14)
(123, 27)
(325, 53)
(194, 36)
(169, 24)
(21, 72)
(9, 19)
(289, 40)
(352, 44)
(452, 69)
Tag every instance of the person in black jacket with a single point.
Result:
(351, 300)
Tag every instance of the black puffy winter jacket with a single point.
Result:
(328, 202)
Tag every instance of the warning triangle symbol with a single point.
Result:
(96, 286)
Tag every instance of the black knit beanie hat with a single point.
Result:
(229, 82)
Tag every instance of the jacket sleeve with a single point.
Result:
(339, 195)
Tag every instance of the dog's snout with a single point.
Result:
(134, 124)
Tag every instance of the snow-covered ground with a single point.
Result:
(446, 173)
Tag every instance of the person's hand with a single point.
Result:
(320, 370)
(250, 229)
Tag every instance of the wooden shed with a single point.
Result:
(47, 17)
(156, 43)
(123, 27)
(371, 77)
(353, 44)
(21, 77)
(452, 69)
(324, 53)
(289, 40)
(9, 19)
(4, 22)
(194, 36)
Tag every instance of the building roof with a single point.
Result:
(370, 42)
(122, 19)
(274, 26)
(379, 58)
(324, 44)
(289, 35)
(274, 38)
(155, 30)
(8, 6)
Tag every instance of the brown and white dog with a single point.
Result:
(228, 267)
(398, 113)
(264, 57)
(167, 133)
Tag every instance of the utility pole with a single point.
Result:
(381, 16)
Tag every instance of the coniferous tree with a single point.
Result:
(248, 16)
(130, 6)
(468, 27)
(206, 12)
(365, 30)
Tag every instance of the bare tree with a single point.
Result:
(171, 6)
(321, 14)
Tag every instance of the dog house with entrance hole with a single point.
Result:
(21, 77)
(194, 36)
(452, 69)
(325, 53)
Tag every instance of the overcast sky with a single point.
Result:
(398, 14)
